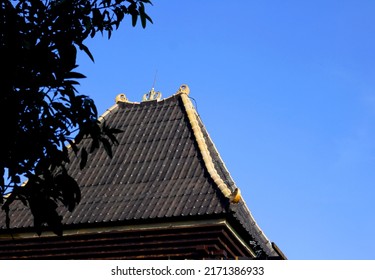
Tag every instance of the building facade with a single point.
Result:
(165, 194)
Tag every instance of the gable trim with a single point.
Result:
(202, 146)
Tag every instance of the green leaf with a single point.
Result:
(73, 146)
(133, 12)
(83, 158)
(79, 136)
(119, 16)
(71, 83)
(23, 199)
(142, 14)
(74, 75)
(86, 49)
(134, 19)
(97, 18)
(92, 35)
(148, 18)
(71, 193)
(16, 179)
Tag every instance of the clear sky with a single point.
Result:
(286, 90)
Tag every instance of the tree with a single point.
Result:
(41, 109)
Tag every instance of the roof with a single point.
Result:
(165, 167)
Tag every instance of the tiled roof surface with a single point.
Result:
(156, 172)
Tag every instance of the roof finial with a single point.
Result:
(152, 95)
(183, 89)
(121, 98)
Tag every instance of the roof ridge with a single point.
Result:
(191, 113)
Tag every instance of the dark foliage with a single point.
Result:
(40, 109)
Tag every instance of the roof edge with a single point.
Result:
(258, 230)
(23, 233)
(191, 113)
(107, 112)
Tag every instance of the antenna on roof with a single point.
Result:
(156, 73)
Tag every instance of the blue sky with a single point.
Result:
(286, 90)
